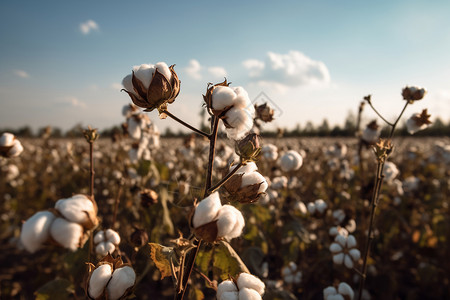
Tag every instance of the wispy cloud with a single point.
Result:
(21, 73)
(193, 69)
(217, 72)
(116, 86)
(72, 102)
(88, 26)
(291, 70)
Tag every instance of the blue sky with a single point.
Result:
(62, 62)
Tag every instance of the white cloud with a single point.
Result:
(73, 102)
(193, 69)
(88, 26)
(217, 71)
(291, 69)
(116, 86)
(21, 73)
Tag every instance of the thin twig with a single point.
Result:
(387, 122)
(91, 159)
(398, 119)
(212, 150)
(224, 179)
(186, 124)
(116, 203)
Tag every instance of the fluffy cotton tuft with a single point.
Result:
(246, 280)
(99, 278)
(122, 279)
(230, 222)
(76, 209)
(67, 234)
(226, 286)
(36, 230)
(7, 139)
(223, 97)
(291, 161)
(249, 294)
(255, 178)
(207, 210)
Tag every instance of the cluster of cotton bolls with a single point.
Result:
(212, 220)
(317, 208)
(270, 152)
(344, 251)
(233, 105)
(291, 273)
(110, 280)
(337, 150)
(291, 161)
(143, 131)
(245, 287)
(343, 292)
(65, 225)
(106, 241)
(10, 146)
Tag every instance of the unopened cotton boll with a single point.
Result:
(67, 234)
(249, 294)
(78, 208)
(246, 280)
(98, 280)
(121, 280)
(291, 161)
(36, 230)
(207, 210)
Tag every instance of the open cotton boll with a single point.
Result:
(345, 290)
(226, 286)
(227, 222)
(145, 74)
(7, 139)
(222, 96)
(99, 237)
(163, 68)
(206, 211)
(16, 149)
(76, 209)
(249, 294)
(229, 296)
(127, 83)
(121, 280)
(134, 128)
(291, 161)
(99, 278)
(67, 234)
(242, 100)
(255, 178)
(248, 168)
(36, 230)
(246, 280)
(112, 236)
(329, 291)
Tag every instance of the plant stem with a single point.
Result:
(91, 159)
(396, 121)
(186, 124)
(116, 203)
(192, 255)
(387, 122)
(224, 179)
(374, 202)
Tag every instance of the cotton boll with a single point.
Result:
(270, 152)
(16, 149)
(99, 278)
(35, 231)
(229, 296)
(321, 206)
(226, 219)
(329, 291)
(76, 209)
(238, 119)
(206, 211)
(255, 178)
(354, 254)
(127, 83)
(351, 241)
(311, 208)
(222, 96)
(248, 294)
(247, 169)
(348, 262)
(99, 237)
(335, 248)
(345, 290)
(242, 100)
(226, 286)
(335, 297)
(67, 234)
(246, 280)
(112, 236)
(7, 139)
(339, 258)
(291, 161)
(121, 280)
(164, 69)
(145, 74)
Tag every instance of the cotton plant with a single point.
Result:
(291, 161)
(106, 241)
(291, 274)
(10, 146)
(317, 207)
(418, 122)
(67, 224)
(344, 251)
(245, 287)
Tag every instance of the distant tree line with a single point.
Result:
(438, 128)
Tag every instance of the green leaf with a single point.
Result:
(204, 257)
(143, 168)
(196, 294)
(55, 289)
(226, 261)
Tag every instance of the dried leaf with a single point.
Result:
(163, 258)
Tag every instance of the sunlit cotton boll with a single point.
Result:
(317, 207)
(10, 146)
(36, 230)
(390, 171)
(67, 234)
(121, 280)
(78, 209)
(279, 183)
(98, 280)
(249, 294)
(344, 251)
(207, 210)
(246, 280)
(240, 120)
(270, 152)
(413, 126)
(106, 241)
(228, 289)
(291, 161)
(230, 222)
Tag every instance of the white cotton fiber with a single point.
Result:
(246, 280)
(206, 211)
(36, 230)
(66, 233)
(99, 278)
(145, 74)
(122, 279)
